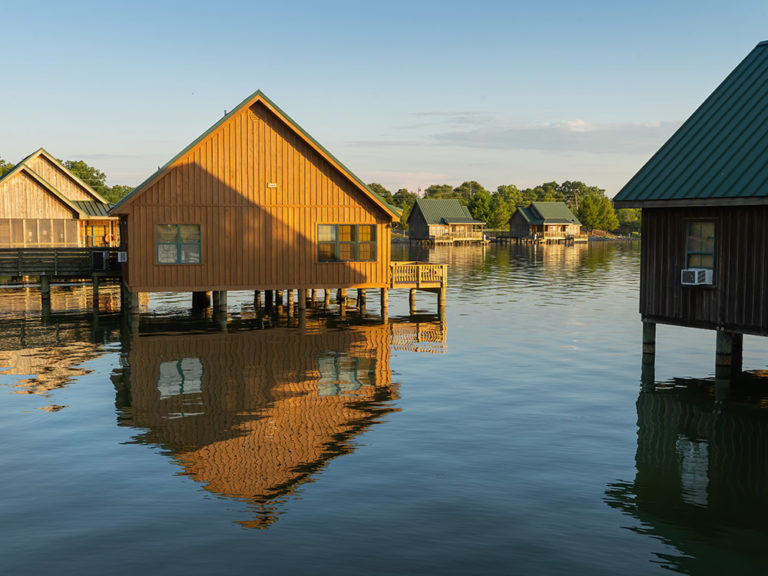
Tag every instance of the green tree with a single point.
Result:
(94, 177)
(509, 194)
(381, 191)
(588, 213)
(404, 200)
(439, 191)
(480, 205)
(629, 220)
(606, 215)
(500, 212)
(5, 167)
(116, 192)
(466, 190)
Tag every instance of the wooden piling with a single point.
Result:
(385, 304)
(648, 371)
(326, 298)
(728, 355)
(268, 299)
(257, 299)
(302, 299)
(201, 300)
(412, 300)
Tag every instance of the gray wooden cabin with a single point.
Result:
(704, 200)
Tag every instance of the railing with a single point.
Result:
(458, 236)
(72, 262)
(418, 275)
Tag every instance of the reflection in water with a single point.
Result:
(49, 354)
(702, 476)
(253, 414)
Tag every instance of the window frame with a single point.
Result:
(689, 252)
(355, 243)
(179, 245)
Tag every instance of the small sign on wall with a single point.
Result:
(271, 184)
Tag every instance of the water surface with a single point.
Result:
(511, 437)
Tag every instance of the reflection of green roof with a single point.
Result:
(444, 211)
(293, 124)
(720, 154)
(548, 213)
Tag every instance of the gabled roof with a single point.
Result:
(96, 208)
(548, 213)
(444, 211)
(259, 96)
(719, 156)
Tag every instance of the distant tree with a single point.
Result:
(607, 215)
(94, 177)
(381, 191)
(116, 192)
(596, 213)
(5, 167)
(439, 191)
(480, 205)
(404, 200)
(509, 194)
(466, 190)
(629, 220)
(500, 212)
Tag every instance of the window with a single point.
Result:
(700, 244)
(346, 242)
(178, 243)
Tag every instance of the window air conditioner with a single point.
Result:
(696, 277)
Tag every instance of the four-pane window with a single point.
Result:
(346, 242)
(700, 244)
(178, 243)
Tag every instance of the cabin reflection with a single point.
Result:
(253, 414)
(49, 354)
(702, 472)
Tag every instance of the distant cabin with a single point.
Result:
(546, 222)
(254, 203)
(443, 221)
(43, 205)
(704, 200)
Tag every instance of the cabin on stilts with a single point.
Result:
(545, 222)
(443, 221)
(704, 200)
(255, 203)
(44, 205)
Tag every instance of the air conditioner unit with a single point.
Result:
(696, 277)
(100, 260)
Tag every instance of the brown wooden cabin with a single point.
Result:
(255, 203)
(545, 222)
(443, 221)
(253, 414)
(704, 200)
(44, 205)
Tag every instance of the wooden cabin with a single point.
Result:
(44, 205)
(254, 203)
(254, 414)
(704, 200)
(546, 222)
(443, 221)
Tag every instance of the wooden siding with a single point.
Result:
(518, 226)
(738, 300)
(254, 236)
(418, 229)
(21, 196)
(58, 178)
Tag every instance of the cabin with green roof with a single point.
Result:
(443, 221)
(545, 222)
(254, 203)
(44, 205)
(704, 201)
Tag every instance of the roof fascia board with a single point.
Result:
(692, 203)
(55, 162)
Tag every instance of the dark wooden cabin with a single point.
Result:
(44, 205)
(443, 221)
(255, 203)
(704, 200)
(546, 222)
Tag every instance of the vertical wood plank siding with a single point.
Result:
(253, 236)
(59, 179)
(737, 300)
(22, 197)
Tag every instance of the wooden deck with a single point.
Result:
(59, 262)
(419, 275)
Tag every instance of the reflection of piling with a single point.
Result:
(648, 376)
(729, 351)
(201, 301)
(95, 284)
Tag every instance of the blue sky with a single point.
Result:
(404, 93)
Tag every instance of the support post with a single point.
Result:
(412, 300)
(326, 298)
(648, 372)
(302, 299)
(728, 357)
(441, 301)
(256, 299)
(201, 300)
(341, 297)
(312, 295)
(45, 288)
(279, 297)
(385, 304)
(220, 301)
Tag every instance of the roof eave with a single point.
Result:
(693, 202)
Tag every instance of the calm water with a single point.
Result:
(512, 438)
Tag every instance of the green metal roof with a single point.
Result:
(548, 213)
(719, 156)
(92, 208)
(259, 94)
(436, 211)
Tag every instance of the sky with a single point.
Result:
(404, 93)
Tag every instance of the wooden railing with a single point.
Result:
(62, 262)
(418, 275)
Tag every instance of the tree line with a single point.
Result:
(589, 203)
